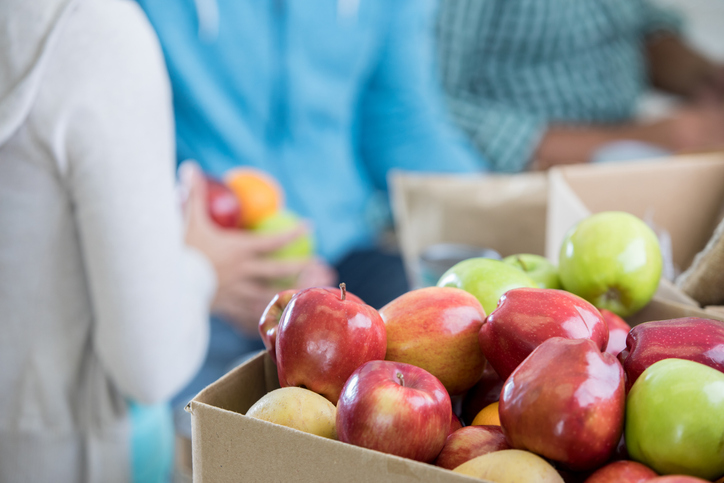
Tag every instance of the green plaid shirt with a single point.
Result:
(510, 67)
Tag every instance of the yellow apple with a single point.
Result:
(297, 408)
(510, 466)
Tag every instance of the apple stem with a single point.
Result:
(520, 260)
(401, 378)
(343, 289)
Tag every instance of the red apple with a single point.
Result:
(455, 423)
(565, 402)
(470, 442)
(676, 479)
(269, 320)
(622, 472)
(526, 317)
(618, 330)
(482, 394)
(323, 336)
(273, 313)
(692, 338)
(436, 328)
(395, 408)
(223, 205)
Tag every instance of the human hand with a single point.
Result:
(247, 277)
(691, 129)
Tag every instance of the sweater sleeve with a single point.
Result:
(506, 136)
(150, 293)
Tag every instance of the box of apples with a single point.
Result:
(550, 383)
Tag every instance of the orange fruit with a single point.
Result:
(488, 416)
(259, 194)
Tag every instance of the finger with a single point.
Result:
(273, 270)
(265, 244)
(317, 274)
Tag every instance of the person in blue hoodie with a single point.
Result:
(327, 96)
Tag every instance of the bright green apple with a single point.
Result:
(301, 247)
(486, 279)
(538, 268)
(675, 419)
(613, 260)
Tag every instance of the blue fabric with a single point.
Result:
(152, 443)
(326, 102)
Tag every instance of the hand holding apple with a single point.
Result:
(222, 204)
(395, 408)
(323, 336)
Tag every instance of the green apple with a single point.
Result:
(538, 268)
(299, 248)
(486, 279)
(613, 260)
(675, 419)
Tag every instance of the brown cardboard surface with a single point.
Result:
(230, 447)
(685, 196)
(504, 212)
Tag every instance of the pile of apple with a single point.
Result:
(581, 395)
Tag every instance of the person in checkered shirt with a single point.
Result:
(536, 83)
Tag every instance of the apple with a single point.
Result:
(676, 479)
(693, 338)
(395, 408)
(618, 330)
(675, 419)
(470, 442)
(297, 408)
(613, 260)
(436, 328)
(526, 317)
(299, 248)
(271, 316)
(622, 472)
(538, 268)
(510, 466)
(223, 206)
(455, 423)
(565, 402)
(486, 279)
(323, 336)
(482, 394)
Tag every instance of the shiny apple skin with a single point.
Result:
(436, 328)
(269, 320)
(526, 317)
(484, 393)
(455, 424)
(622, 472)
(223, 205)
(565, 402)
(470, 442)
(618, 330)
(691, 338)
(322, 339)
(676, 479)
(394, 408)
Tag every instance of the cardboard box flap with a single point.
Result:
(230, 447)
(506, 213)
(704, 279)
(683, 197)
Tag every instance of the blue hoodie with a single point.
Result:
(325, 95)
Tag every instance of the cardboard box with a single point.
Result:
(506, 213)
(230, 447)
(683, 198)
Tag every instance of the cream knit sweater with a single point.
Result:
(99, 298)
